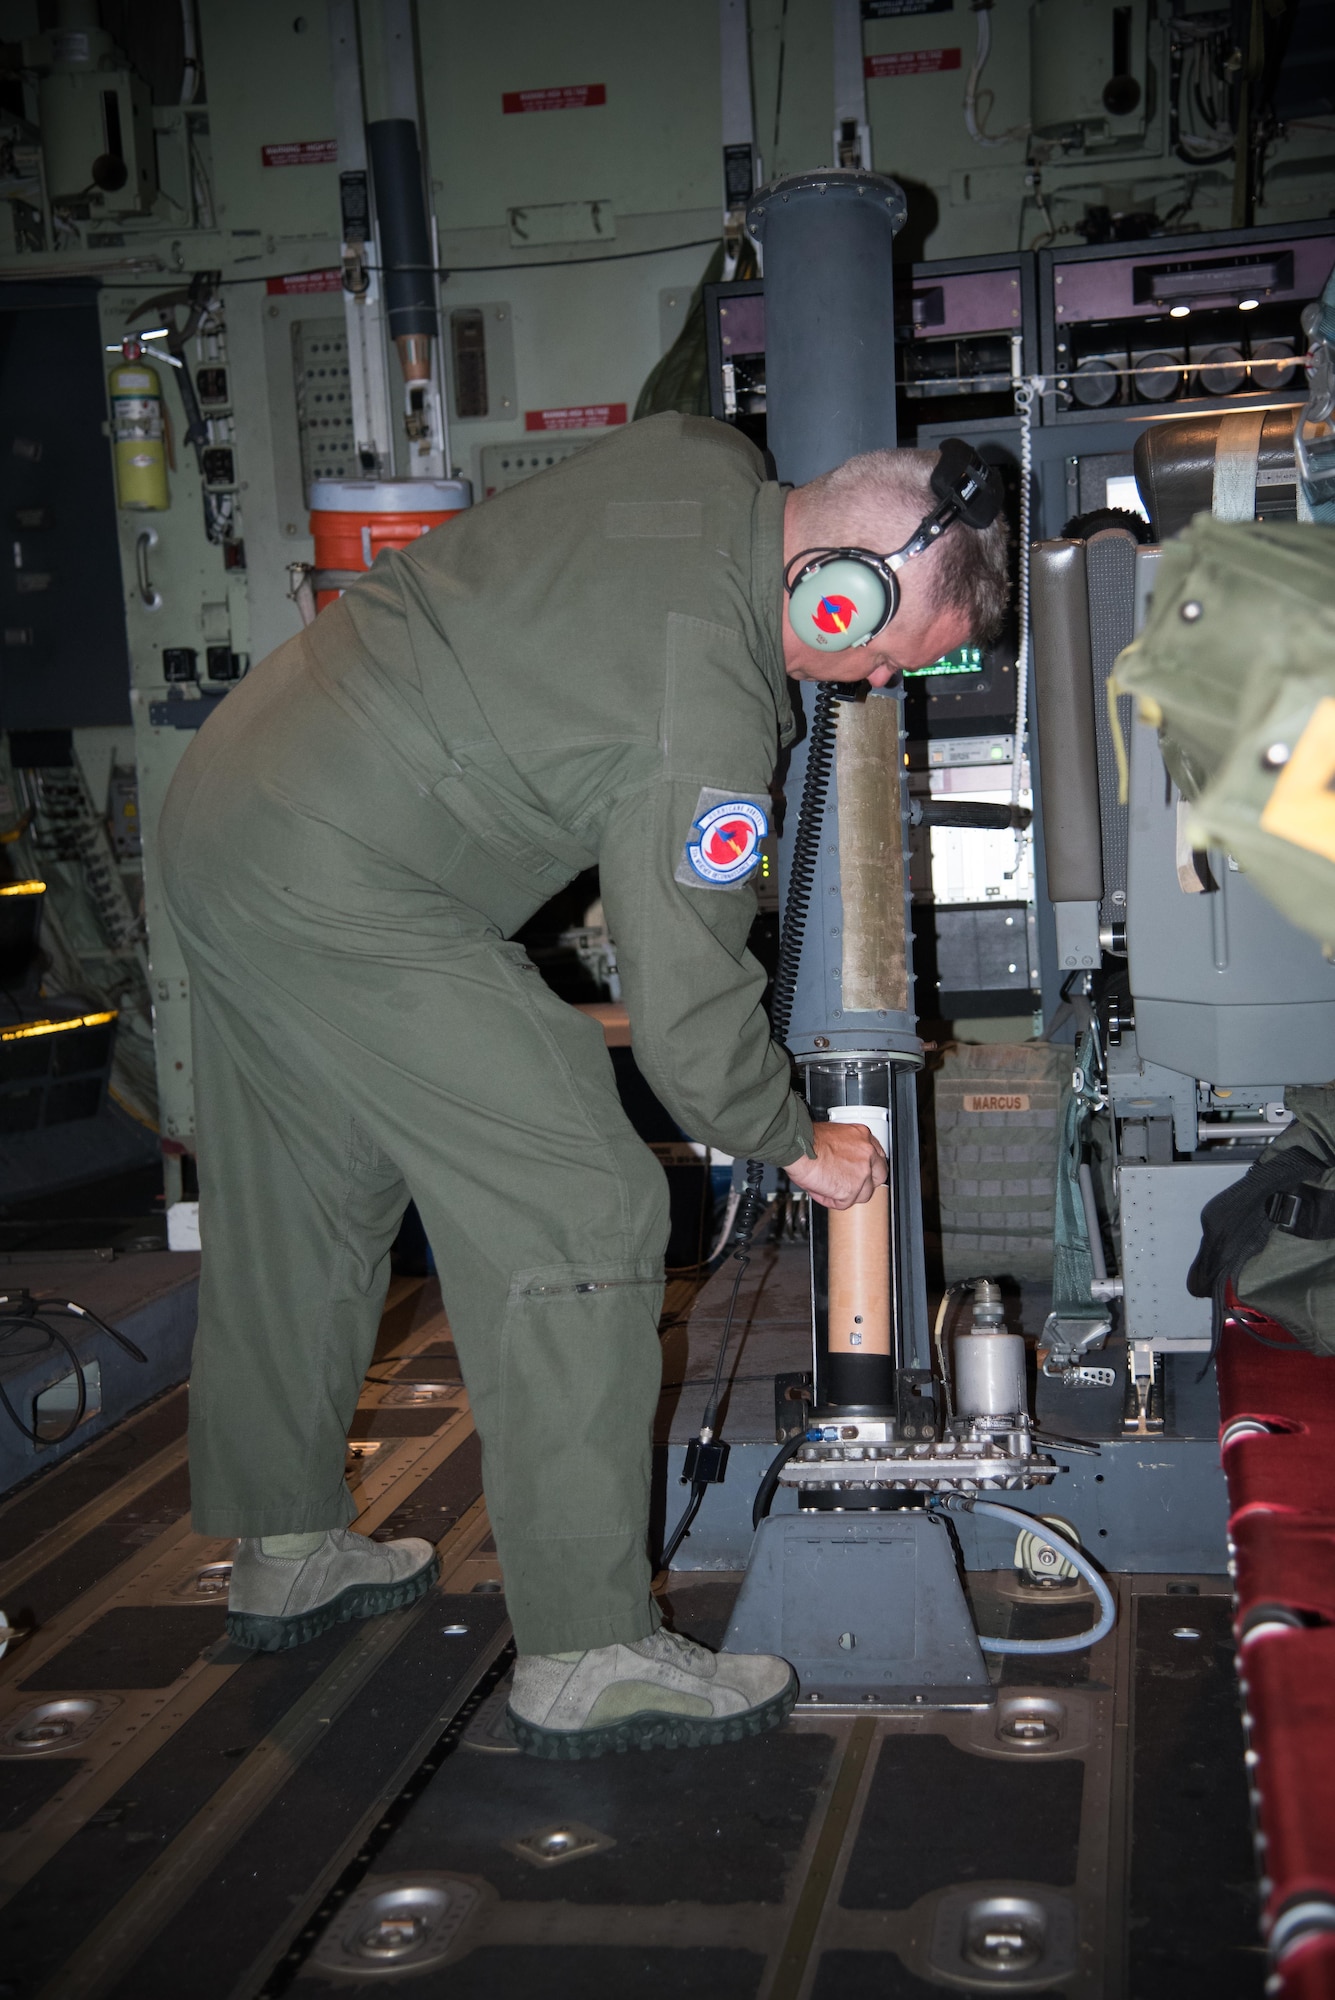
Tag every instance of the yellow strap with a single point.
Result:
(1301, 808)
(1119, 743)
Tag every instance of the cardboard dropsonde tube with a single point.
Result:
(859, 1255)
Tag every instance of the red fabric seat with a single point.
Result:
(1278, 1383)
(1286, 1472)
(1281, 1488)
(1290, 1468)
(1285, 1560)
(1290, 1695)
(1308, 1972)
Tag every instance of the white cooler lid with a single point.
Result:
(390, 496)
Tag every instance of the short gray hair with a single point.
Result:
(865, 500)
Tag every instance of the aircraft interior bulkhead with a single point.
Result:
(667, 999)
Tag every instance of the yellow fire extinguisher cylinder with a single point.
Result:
(138, 437)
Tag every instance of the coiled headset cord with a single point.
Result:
(706, 1454)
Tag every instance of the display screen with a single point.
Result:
(964, 660)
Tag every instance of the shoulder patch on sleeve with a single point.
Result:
(723, 845)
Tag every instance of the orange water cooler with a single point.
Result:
(352, 520)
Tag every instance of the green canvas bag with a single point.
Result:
(1270, 1234)
(1236, 669)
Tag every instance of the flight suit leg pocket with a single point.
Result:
(567, 1455)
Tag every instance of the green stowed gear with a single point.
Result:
(1270, 1235)
(1236, 668)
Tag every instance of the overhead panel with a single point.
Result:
(917, 65)
(552, 105)
(274, 153)
(792, 75)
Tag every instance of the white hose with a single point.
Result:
(1076, 1641)
(983, 48)
(981, 53)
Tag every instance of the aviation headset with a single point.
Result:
(841, 598)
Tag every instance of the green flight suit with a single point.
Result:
(576, 672)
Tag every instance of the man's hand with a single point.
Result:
(848, 1168)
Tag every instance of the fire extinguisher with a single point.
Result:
(138, 431)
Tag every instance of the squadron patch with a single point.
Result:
(724, 842)
(835, 613)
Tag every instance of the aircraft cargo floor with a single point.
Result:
(183, 1818)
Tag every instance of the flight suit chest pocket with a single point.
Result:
(721, 726)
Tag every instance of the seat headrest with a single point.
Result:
(1174, 464)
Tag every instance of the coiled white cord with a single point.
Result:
(1024, 409)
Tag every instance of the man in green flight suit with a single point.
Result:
(580, 671)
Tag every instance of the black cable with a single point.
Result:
(54, 1338)
(699, 1487)
(473, 270)
(1241, 1315)
(28, 1312)
(797, 906)
(196, 429)
(555, 263)
(796, 909)
(778, 81)
(805, 856)
(710, 1418)
(683, 1527)
(28, 1306)
(113, 1333)
(769, 1485)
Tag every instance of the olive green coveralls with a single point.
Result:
(570, 674)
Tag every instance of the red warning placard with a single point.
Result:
(912, 62)
(301, 153)
(580, 417)
(306, 281)
(559, 97)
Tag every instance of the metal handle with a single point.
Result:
(968, 812)
(301, 589)
(150, 598)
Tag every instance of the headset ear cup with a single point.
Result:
(841, 603)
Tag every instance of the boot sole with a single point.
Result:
(652, 1729)
(261, 1633)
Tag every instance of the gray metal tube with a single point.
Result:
(828, 240)
(1064, 712)
(829, 316)
(409, 279)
